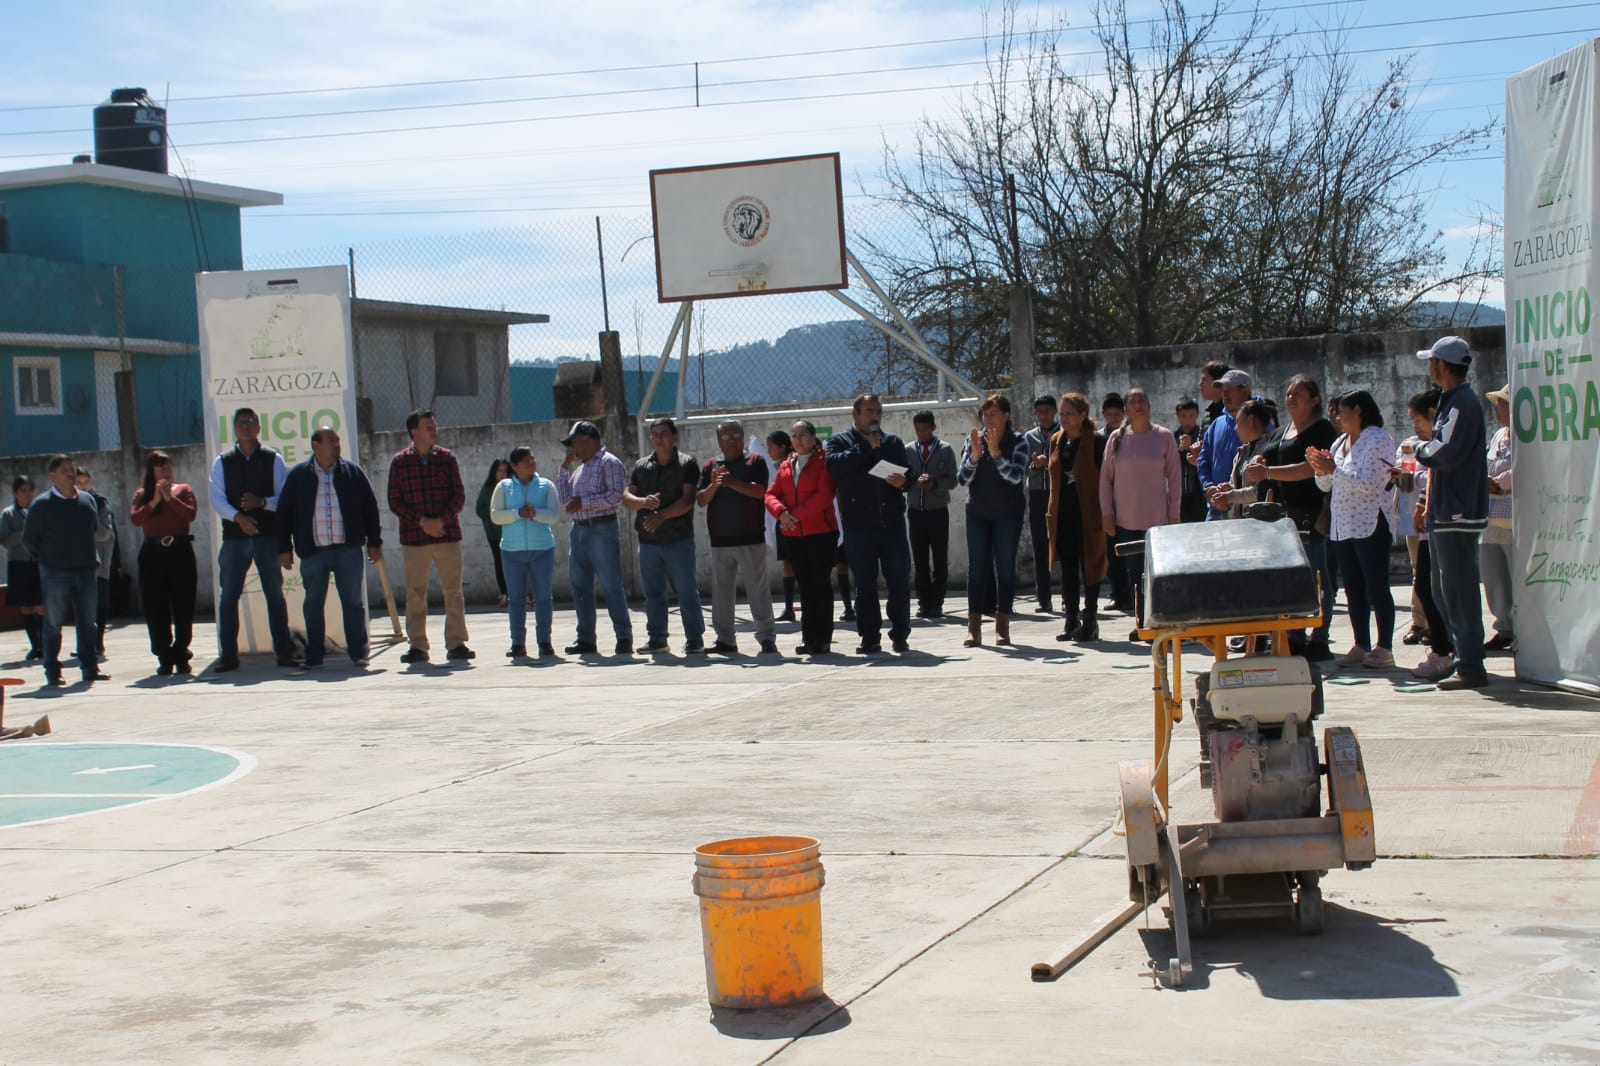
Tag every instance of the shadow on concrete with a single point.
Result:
(1359, 956)
(156, 681)
(816, 1018)
(1514, 692)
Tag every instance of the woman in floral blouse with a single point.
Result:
(1355, 471)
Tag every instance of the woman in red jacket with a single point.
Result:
(801, 499)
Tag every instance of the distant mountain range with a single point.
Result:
(829, 360)
(1449, 313)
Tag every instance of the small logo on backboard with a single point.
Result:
(746, 221)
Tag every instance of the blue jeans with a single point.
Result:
(992, 553)
(233, 562)
(866, 548)
(347, 567)
(530, 573)
(597, 551)
(1365, 566)
(1455, 592)
(659, 563)
(1135, 565)
(80, 591)
(1317, 554)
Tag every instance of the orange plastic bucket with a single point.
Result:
(761, 920)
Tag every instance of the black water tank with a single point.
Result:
(131, 131)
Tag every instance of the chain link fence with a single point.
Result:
(783, 350)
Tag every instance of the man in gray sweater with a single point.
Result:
(61, 531)
(931, 476)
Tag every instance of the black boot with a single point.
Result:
(33, 625)
(1069, 625)
(1089, 628)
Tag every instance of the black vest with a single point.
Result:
(671, 481)
(242, 474)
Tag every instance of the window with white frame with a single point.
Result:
(36, 385)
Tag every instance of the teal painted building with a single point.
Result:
(97, 267)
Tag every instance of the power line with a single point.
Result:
(774, 80)
(630, 69)
(705, 105)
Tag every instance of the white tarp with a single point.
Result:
(278, 341)
(1551, 272)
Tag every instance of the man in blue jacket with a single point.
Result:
(328, 513)
(872, 510)
(1457, 505)
(1222, 439)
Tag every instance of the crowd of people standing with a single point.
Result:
(858, 509)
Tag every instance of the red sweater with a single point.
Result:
(168, 520)
(811, 502)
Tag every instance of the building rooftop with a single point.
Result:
(140, 180)
(437, 312)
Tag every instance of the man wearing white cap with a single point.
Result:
(1457, 505)
(1222, 439)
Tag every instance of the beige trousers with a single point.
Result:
(446, 559)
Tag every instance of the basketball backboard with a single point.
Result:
(744, 229)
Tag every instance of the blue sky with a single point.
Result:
(251, 89)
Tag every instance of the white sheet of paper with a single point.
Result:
(884, 469)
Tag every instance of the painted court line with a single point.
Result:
(1585, 829)
(83, 795)
(243, 764)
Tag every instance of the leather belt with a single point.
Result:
(167, 542)
(597, 520)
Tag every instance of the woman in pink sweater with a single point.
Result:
(1141, 485)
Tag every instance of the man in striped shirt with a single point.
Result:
(591, 491)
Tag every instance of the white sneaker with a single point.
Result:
(1379, 658)
(1354, 657)
(1434, 667)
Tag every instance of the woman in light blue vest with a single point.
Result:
(525, 506)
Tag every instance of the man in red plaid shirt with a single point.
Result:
(425, 492)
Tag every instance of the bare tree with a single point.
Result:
(1210, 179)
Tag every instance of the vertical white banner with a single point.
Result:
(278, 341)
(1551, 274)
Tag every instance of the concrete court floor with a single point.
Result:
(492, 865)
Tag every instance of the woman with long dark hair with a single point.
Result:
(1077, 539)
(499, 470)
(994, 467)
(164, 509)
(1356, 473)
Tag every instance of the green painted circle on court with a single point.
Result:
(48, 782)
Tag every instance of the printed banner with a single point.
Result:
(1550, 273)
(278, 342)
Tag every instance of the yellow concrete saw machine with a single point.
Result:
(1284, 817)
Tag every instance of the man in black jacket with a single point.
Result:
(61, 531)
(328, 512)
(1457, 505)
(873, 512)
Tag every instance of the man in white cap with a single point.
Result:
(1457, 505)
(1222, 439)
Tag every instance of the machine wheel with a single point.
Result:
(1199, 913)
(1308, 913)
